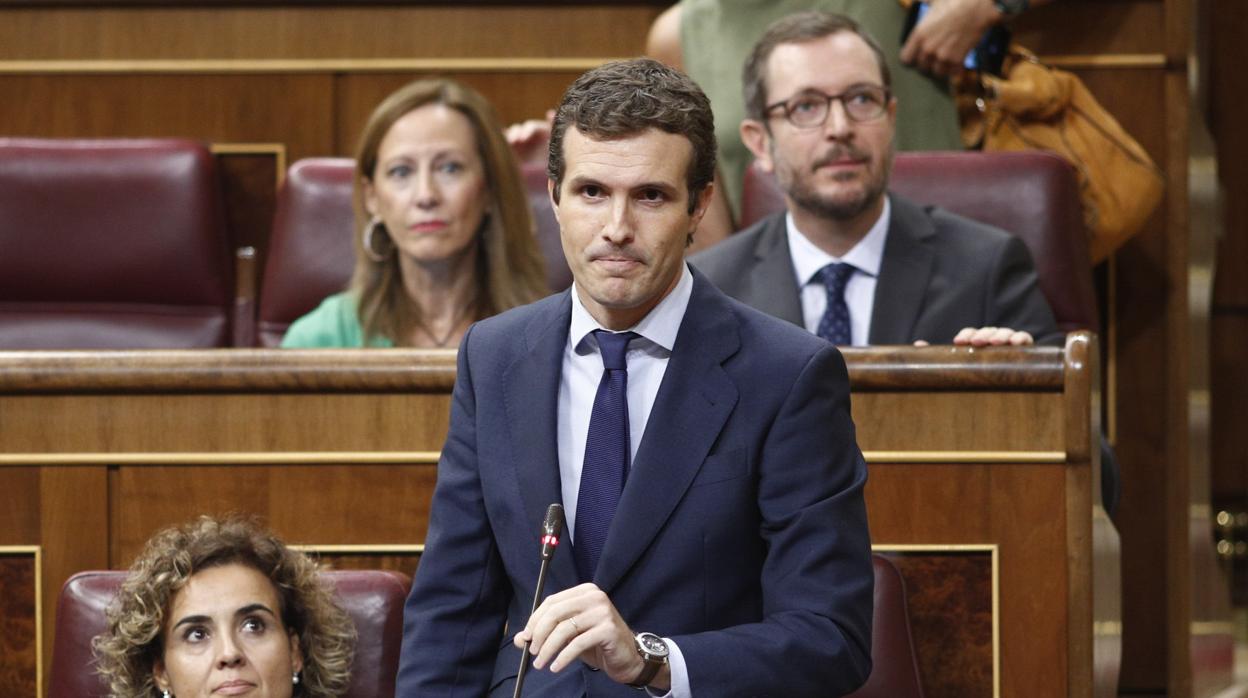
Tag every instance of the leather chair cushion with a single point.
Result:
(100, 230)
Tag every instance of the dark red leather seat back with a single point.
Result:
(558, 275)
(1031, 194)
(112, 244)
(895, 665)
(311, 249)
(373, 598)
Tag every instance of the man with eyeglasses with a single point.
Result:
(848, 260)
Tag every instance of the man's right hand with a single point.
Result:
(582, 623)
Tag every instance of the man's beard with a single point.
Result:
(804, 195)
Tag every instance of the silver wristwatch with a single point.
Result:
(653, 651)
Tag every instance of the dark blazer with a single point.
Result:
(940, 272)
(741, 532)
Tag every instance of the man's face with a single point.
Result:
(624, 218)
(838, 170)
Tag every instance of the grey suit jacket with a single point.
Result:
(941, 272)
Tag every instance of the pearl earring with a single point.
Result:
(294, 678)
(164, 693)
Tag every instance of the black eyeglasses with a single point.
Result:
(810, 108)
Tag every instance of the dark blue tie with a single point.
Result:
(606, 455)
(834, 325)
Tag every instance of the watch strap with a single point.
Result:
(648, 672)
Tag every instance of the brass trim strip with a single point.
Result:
(964, 456)
(453, 65)
(224, 458)
(934, 548)
(431, 457)
(1116, 60)
(35, 551)
(993, 550)
(277, 150)
(295, 65)
(368, 549)
(1211, 627)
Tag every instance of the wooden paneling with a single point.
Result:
(215, 108)
(951, 619)
(19, 622)
(354, 504)
(351, 437)
(322, 33)
(218, 423)
(73, 531)
(1009, 505)
(249, 180)
(1093, 27)
(515, 96)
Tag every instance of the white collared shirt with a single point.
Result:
(866, 257)
(647, 359)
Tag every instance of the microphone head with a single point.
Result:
(553, 525)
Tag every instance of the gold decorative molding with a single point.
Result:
(431, 457)
(315, 65)
(225, 458)
(36, 552)
(364, 549)
(434, 65)
(964, 456)
(1211, 627)
(1115, 60)
(992, 550)
(277, 150)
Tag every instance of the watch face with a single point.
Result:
(652, 644)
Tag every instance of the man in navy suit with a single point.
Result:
(703, 451)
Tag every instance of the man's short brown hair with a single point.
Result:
(797, 28)
(624, 98)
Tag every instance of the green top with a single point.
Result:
(716, 36)
(334, 323)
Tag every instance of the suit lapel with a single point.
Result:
(773, 282)
(904, 273)
(532, 397)
(693, 403)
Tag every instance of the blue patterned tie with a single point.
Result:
(834, 325)
(606, 455)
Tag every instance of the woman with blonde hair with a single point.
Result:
(221, 607)
(446, 236)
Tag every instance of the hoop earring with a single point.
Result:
(369, 250)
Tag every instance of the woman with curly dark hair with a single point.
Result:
(222, 607)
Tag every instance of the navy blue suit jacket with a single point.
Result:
(741, 533)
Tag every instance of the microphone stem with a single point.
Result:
(525, 656)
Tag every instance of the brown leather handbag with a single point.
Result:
(1038, 107)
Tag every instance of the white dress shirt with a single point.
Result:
(647, 359)
(866, 257)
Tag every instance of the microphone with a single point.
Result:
(552, 528)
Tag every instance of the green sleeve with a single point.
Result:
(333, 324)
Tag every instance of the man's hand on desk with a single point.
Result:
(582, 623)
(988, 337)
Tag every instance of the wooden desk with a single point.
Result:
(982, 483)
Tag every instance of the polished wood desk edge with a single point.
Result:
(871, 369)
